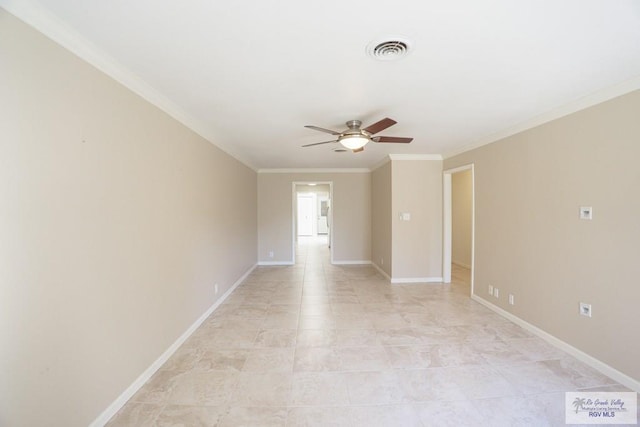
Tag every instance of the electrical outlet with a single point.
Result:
(496, 292)
(586, 212)
(270, 254)
(585, 309)
(511, 299)
(215, 288)
(490, 290)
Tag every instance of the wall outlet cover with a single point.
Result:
(586, 212)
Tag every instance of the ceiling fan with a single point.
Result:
(355, 138)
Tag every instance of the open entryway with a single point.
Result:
(459, 224)
(312, 215)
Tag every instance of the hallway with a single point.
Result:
(316, 344)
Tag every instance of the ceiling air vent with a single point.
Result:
(389, 49)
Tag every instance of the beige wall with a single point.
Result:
(381, 218)
(351, 214)
(115, 223)
(530, 241)
(461, 221)
(416, 244)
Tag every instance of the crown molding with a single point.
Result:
(381, 163)
(316, 170)
(57, 30)
(579, 104)
(415, 157)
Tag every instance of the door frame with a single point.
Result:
(448, 222)
(294, 212)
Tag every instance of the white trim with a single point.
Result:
(356, 262)
(121, 400)
(271, 263)
(315, 170)
(381, 163)
(596, 364)
(381, 271)
(459, 264)
(51, 26)
(459, 169)
(415, 156)
(579, 104)
(448, 222)
(417, 280)
(447, 226)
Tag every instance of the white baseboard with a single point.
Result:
(407, 280)
(362, 262)
(272, 263)
(417, 280)
(459, 264)
(596, 364)
(117, 404)
(381, 271)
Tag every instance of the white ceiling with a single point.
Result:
(248, 75)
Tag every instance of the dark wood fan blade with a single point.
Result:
(319, 143)
(332, 132)
(357, 150)
(380, 126)
(391, 139)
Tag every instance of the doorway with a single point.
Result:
(312, 214)
(465, 239)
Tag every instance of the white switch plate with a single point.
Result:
(405, 216)
(496, 292)
(490, 290)
(511, 299)
(585, 309)
(270, 254)
(586, 212)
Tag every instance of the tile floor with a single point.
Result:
(317, 344)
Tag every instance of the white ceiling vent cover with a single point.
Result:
(389, 48)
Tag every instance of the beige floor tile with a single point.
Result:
(263, 389)
(242, 416)
(136, 414)
(222, 360)
(454, 413)
(316, 344)
(385, 416)
(316, 359)
(210, 388)
(326, 416)
(319, 388)
(192, 416)
(374, 388)
(482, 382)
(276, 338)
(421, 385)
(269, 360)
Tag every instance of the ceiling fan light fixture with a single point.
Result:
(353, 142)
